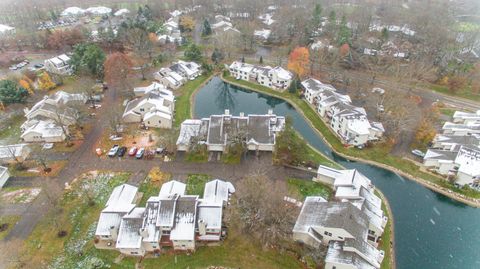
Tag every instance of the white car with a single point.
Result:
(113, 151)
(418, 153)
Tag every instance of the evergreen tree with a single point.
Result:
(88, 57)
(243, 59)
(293, 86)
(207, 29)
(385, 34)
(10, 92)
(332, 18)
(217, 56)
(317, 15)
(261, 60)
(344, 33)
(193, 53)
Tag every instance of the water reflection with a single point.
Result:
(423, 238)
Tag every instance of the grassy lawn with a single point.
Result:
(152, 184)
(380, 152)
(300, 189)
(464, 93)
(447, 111)
(11, 132)
(45, 249)
(197, 156)
(386, 237)
(75, 215)
(237, 251)
(196, 184)
(6, 225)
(182, 102)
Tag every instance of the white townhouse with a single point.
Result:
(467, 118)
(121, 202)
(313, 87)
(349, 123)
(73, 12)
(189, 129)
(352, 186)
(241, 70)
(188, 70)
(155, 86)
(453, 143)
(45, 119)
(6, 30)
(463, 164)
(42, 131)
(154, 109)
(59, 65)
(467, 164)
(275, 78)
(343, 228)
(442, 161)
(218, 132)
(10, 153)
(354, 128)
(171, 219)
(4, 176)
(169, 78)
(460, 129)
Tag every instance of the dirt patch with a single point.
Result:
(21, 196)
(140, 138)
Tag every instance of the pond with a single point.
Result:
(431, 231)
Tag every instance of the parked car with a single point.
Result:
(113, 151)
(160, 150)
(132, 151)
(418, 153)
(121, 151)
(140, 153)
(38, 65)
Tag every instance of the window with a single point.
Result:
(142, 109)
(133, 252)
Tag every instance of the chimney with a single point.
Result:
(242, 114)
(270, 111)
(227, 111)
(113, 232)
(202, 227)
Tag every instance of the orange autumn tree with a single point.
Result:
(299, 61)
(24, 83)
(45, 82)
(117, 67)
(425, 132)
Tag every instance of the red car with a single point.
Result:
(132, 151)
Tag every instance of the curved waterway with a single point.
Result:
(431, 231)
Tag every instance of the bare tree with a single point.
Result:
(263, 211)
(114, 117)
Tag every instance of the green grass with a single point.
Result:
(447, 111)
(380, 152)
(301, 188)
(10, 221)
(197, 156)
(182, 102)
(196, 184)
(148, 189)
(11, 129)
(386, 237)
(237, 251)
(78, 218)
(463, 93)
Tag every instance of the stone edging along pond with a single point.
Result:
(432, 186)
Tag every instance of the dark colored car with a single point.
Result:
(121, 151)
